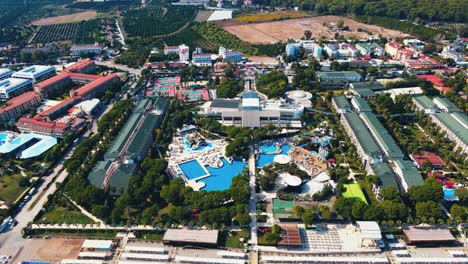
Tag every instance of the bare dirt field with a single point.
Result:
(53, 249)
(76, 17)
(271, 32)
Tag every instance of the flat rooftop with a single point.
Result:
(191, 236)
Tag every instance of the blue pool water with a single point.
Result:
(449, 194)
(265, 159)
(3, 137)
(188, 149)
(269, 148)
(221, 178)
(192, 169)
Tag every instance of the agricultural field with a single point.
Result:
(190, 38)
(103, 6)
(72, 18)
(156, 20)
(217, 37)
(79, 33)
(203, 15)
(273, 16)
(321, 27)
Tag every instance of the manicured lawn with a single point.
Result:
(233, 239)
(263, 242)
(150, 236)
(354, 191)
(9, 187)
(58, 215)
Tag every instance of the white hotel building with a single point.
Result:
(252, 111)
(35, 73)
(12, 87)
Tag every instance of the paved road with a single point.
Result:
(253, 200)
(11, 242)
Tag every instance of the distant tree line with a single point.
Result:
(435, 10)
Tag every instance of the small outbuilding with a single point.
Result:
(193, 237)
(370, 232)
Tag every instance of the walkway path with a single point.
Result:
(253, 200)
(84, 211)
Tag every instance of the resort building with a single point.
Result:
(12, 87)
(18, 105)
(182, 50)
(449, 53)
(407, 173)
(5, 74)
(310, 47)
(230, 55)
(35, 73)
(55, 129)
(428, 157)
(428, 235)
(375, 146)
(360, 105)
(448, 117)
(365, 144)
(77, 50)
(130, 146)
(252, 111)
(445, 105)
(392, 48)
(341, 104)
(83, 66)
(385, 142)
(191, 237)
(365, 89)
(202, 59)
(337, 79)
(366, 49)
(424, 104)
(89, 90)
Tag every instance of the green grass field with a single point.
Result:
(354, 191)
(58, 215)
(9, 187)
(233, 240)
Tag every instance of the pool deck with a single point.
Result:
(210, 156)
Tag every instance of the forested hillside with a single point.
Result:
(436, 10)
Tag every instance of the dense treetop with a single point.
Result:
(436, 10)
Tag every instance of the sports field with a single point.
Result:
(321, 27)
(354, 191)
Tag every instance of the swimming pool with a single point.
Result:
(192, 169)
(265, 159)
(268, 148)
(449, 194)
(221, 178)
(3, 137)
(188, 149)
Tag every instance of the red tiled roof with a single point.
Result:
(41, 126)
(19, 100)
(53, 80)
(89, 77)
(83, 91)
(63, 104)
(394, 44)
(79, 66)
(434, 159)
